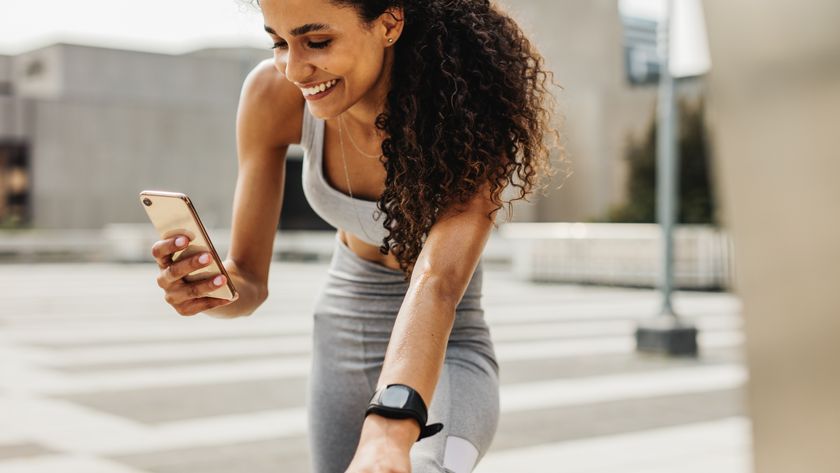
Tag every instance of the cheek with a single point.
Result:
(358, 64)
(364, 70)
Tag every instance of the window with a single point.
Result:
(14, 185)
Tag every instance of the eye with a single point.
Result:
(312, 44)
(320, 45)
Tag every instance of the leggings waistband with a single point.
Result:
(351, 275)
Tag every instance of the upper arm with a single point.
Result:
(454, 245)
(268, 119)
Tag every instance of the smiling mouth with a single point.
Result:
(319, 88)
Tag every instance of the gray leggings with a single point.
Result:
(353, 319)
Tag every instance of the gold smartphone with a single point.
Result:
(172, 213)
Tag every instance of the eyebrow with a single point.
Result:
(301, 30)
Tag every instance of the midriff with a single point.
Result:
(367, 251)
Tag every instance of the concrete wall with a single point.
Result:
(5, 67)
(773, 101)
(118, 122)
(90, 160)
(7, 105)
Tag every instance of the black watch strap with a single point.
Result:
(398, 401)
(429, 430)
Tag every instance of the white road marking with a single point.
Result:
(93, 432)
(721, 446)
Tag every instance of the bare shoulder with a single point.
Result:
(270, 108)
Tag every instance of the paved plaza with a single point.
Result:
(99, 375)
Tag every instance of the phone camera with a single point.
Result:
(147, 201)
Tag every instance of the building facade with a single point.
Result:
(83, 129)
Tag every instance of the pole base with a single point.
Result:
(666, 336)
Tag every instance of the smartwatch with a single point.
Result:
(398, 401)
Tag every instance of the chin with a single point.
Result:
(327, 111)
(322, 112)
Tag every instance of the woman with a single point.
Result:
(414, 116)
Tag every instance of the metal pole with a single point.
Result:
(666, 333)
(666, 156)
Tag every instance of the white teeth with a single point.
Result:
(320, 87)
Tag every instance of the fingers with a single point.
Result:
(175, 271)
(188, 298)
(195, 306)
(193, 290)
(162, 249)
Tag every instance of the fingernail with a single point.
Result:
(204, 259)
(180, 241)
(218, 280)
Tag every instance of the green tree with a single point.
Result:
(696, 200)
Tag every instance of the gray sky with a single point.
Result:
(177, 26)
(168, 26)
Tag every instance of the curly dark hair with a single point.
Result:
(469, 105)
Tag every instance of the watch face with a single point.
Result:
(395, 396)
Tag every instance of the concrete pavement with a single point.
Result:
(100, 375)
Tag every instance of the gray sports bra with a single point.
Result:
(335, 207)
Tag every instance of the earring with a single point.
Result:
(390, 40)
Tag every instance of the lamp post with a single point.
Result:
(666, 333)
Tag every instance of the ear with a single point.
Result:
(392, 22)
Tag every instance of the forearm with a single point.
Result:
(251, 295)
(417, 347)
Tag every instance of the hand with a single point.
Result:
(384, 446)
(186, 297)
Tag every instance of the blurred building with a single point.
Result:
(84, 129)
(606, 65)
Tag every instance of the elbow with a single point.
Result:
(258, 295)
(262, 294)
(439, 286)
(261, 297)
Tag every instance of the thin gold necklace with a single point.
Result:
(347, 177)
(352, 142)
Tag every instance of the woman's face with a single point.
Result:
(319, 44)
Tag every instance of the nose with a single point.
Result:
(293, 65)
